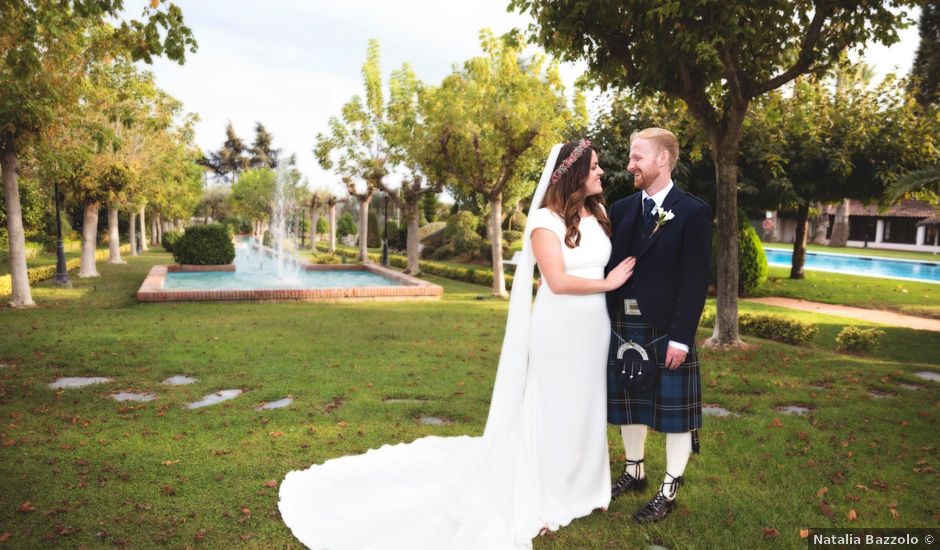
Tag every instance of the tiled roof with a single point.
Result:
(903, 209)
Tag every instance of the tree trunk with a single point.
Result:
(332, 221)
(364, 228)
(314, 218)
(799, 242)
(89, 241)
(158, 233)
(411, 214)
(143, 229)
(725, 153)
(496, 243)
(820, 225)
(840, 226)
(19, 279)
(114, 237)
(154, 232)
(132, 231)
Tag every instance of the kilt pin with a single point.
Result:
(661, 302)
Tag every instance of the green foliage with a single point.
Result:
(205, 245)
(858, 340)
(925, 71)
(781, 329)
(346, 225)
(374, 235)
(169, 240)
(515, 221)
(326, 259)
(510, 237)
(253, 192)
(430, 203)
(323, 225)
(752, 261)
(462, 230)
(769, 327)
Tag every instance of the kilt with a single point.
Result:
(674, 405)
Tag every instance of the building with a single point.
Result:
(907, 225)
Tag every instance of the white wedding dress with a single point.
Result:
(541, 462)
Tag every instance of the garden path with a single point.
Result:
(873, 315)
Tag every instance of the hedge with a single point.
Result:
(858, 340)
(769, 327)
(38, 274)
(204, 245)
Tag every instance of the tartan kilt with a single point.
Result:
(674, 405)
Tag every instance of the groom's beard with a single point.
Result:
(644, 179)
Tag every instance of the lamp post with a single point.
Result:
(385, 240)
(61, 273)
(303, 234)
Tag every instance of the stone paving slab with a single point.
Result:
(279, 404)
(71, 382)
(178, 381)
(132, 396)
(214, 398)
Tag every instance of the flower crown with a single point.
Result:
(572, 158)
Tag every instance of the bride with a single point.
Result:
(542, 460)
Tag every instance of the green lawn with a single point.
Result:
(880, 253)
(102, 474)
(907, 297)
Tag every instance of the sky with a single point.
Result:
(292, 64)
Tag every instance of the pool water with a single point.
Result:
(911, 270)
(256, 270)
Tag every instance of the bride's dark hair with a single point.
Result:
(566, 196)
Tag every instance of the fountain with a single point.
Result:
(275, 272)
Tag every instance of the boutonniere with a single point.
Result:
(662, 216)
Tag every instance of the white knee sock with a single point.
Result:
(634, 445)
(678, 450)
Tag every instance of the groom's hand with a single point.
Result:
(674, 357)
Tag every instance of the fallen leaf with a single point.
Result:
(169, 462)
(852, 515)
(276, 433)
(894, 513)
(26, 508)
(342, 424)
(270, 483)
(5, 536)
(825, 509)
(769, 532)
(777, 423)
(804, 533)
(822, 491)
(168, 490)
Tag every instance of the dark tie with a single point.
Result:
(648, 205)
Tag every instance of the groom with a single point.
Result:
(669, 232)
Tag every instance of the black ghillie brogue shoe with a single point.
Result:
(628, 481)
(659, 506)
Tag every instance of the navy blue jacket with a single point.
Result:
(673, 266)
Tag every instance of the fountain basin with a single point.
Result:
(307, 283)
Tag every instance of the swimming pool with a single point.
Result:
(867, 266)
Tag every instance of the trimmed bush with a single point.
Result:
(346, 226)
(169, 239)
(752, 261)
(774, 327)
(769, 327)
(374, 236)
(204, 245)
(858, 340)
(326, 259)
(38, 274)
(510, 237)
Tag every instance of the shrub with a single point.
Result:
(752, 261)
(326, 259)
(774, 327)
(170, 239)
(515, 221)
(205, 245)
(708, 318)
(445, 252)
(858, 340)
(346, 226)
(462, 231)
(510, 237)
(374, 236)
(323, 226)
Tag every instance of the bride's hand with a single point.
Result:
(621, 273)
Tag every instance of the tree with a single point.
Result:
(45, 46)
(231, 159)
(717, 57)
(411, 146)
(355, 147)
(252, 195)
(925, 72)
(263, 153)
(491, 123)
